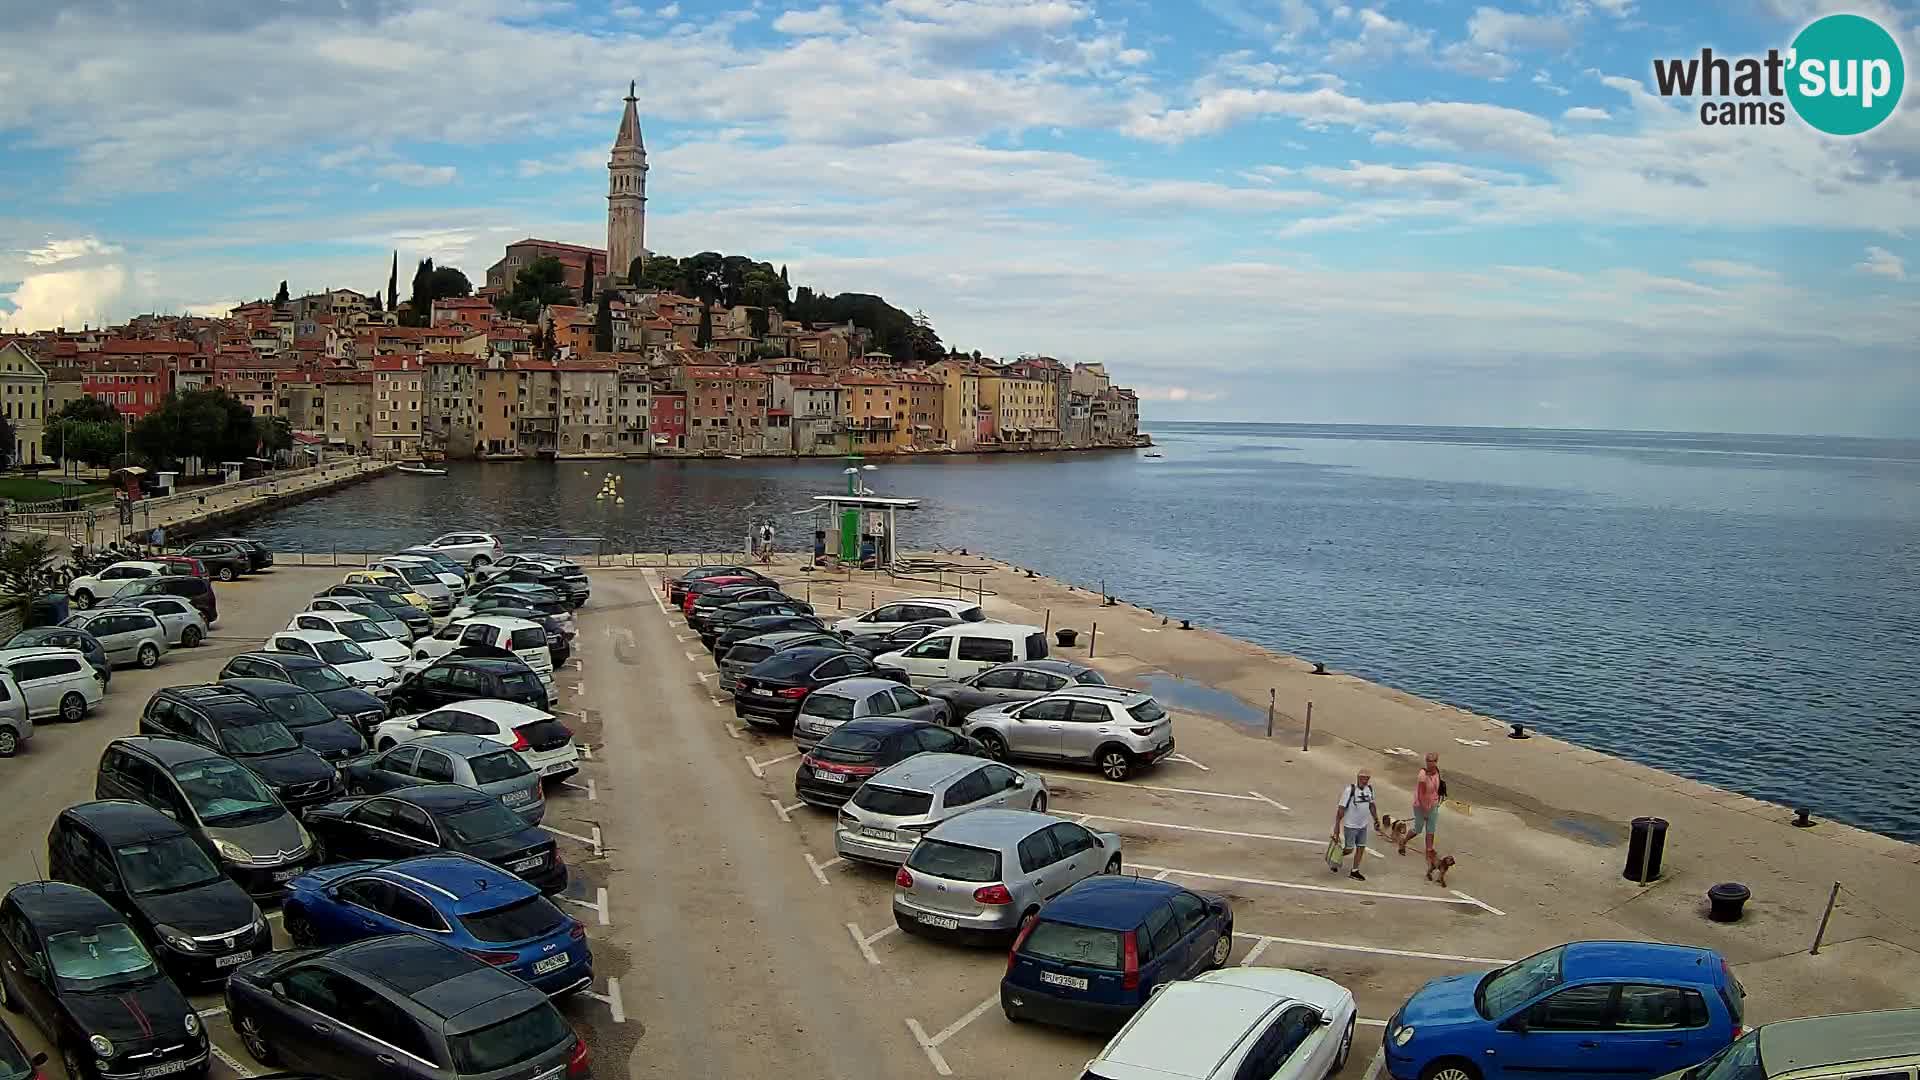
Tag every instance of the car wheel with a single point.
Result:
(83, 599)
(1450, 1069)
(191, 637)
(225, 573)
(994, 745)
(1346, 1047)
(1223, 948)
(299, 930)
(254, 1037)
(149, 655)
(73, 707)
(1040, 803)
(480, 561)
(9, 742)
(1115, 763)
(1113, 865)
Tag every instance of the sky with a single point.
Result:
(1397, 211)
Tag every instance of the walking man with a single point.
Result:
(1428, 789)
(1351, 819)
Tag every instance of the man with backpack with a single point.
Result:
(1351, 819)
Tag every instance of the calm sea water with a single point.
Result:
(1740, 609)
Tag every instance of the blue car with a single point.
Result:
(456, 900)
(1092, 955)
(1581, 1011)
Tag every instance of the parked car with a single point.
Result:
(55, 682)
(1094, 954)
(400, 1007)
(447, 564)
(1639, 1007)
(195, 591)
(525, 641)
(65, 637)
(1882, 1045)
(829, 774)
(572, 574)
(476, 549)
(856, 699)
(419, 578)
(185, 565)
(15, 1062)
(696, 589)
(738, 658)
(900, 803)
(259, 556)
(505, 600)
(559, 641)
(730, 615)
(224, 559)
(400, 587)
(448, 574)
(180, 621)
(756, 625)
(530, 573)
(129, 635)
(769, 694)
(430, 818)
(1009, 684)
(1238, 1022)
(981, 876)
(890, 617)
(317, 727)
(1118, 730)
(459, 901)
(352, 604)
(350, 703)
(228, 809)
(223, 719)
(16, 727)
(90, 589)
(194, 919)
(536, 735)
(359, 629)
(459, 679)
(346, 657)
(894, 640)
(453, 758)
(417, 621)
(707, 606)
(73, 964)
(967, 649)
(677, 586)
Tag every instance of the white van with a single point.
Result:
(55, 682)
(965, 650)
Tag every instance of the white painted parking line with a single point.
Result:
(1253, 953)
(1162, 875)
(733, 730)
(598, 907)
(1330, 889)
(692, 657)
(705, 675)
(659, 594)
(864, 942)
(718, 702)
(611, 999)
(1084, 818)
(820, 868)
(684, 638)
(785, 813)
(1265, 940)
(759, 767)
(1184, 759)
(591, 841)
(568, 712)
(230, 1062)
(1476, 903)
(1251, 796)
(592, 795)
(931, 1043)
(586, 752)
(1378, 1063)
(212, 1011)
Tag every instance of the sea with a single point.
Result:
(1740, 609)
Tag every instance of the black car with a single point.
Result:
(220, 718)
(422, 820)
(708, 603)
(858, 749)
(559, 642)
(195, 591)
(72, 963)
(770, 693)
(529, 574)
(450, 679)
(535, 596)
(755, 625)
(418, 621)
(317, 727)
(224, 559)
(895, 640)
(317, 677)
(677, 587)
(258, 557)
(726, 618)
(193, 918)
(1004, 684)
(65, 637)
(15, 1062)
(400, 1007)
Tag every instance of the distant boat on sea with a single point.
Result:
(420, 469)
(1153, 453)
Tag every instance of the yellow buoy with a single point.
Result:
(622, 502)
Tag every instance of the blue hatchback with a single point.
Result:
(1581, 1011)
(459, 901)
(1092, 956)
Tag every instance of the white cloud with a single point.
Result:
(1380, 37)
(1884, 263)
(592, 157)
(68, 249)
(414, 174)
(1175, 394)
(1619, 9)
(1545, 82)
(70, 298)
(1728, 268)
(1503, 31)
(1586, 112)
(1433, 177)
(669, 11)
(821, 20)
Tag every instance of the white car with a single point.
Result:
(524, 639)
(56, 682)
(358, 629)
(93, 588)
(421, 576)
(184, 624)
(454, 583)
(473, 548)
(1235, 1022)
(543, 742)
(343, 654)
(366, 609)
(892, 616)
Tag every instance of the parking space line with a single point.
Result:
(591, 841)
(1189, 761)
(931, 1043)
(692, 657)
(592, 795)
(718, 702)
(1251, 796)
(230, 1061)
(759, 767)
(1264, 940)
(683, 638)
(705, 675)
(1330, 889)
(785, 813)
(211, 1011)
(1476, 903)
(820, 868)
(611, 999)
(1084, 818)
(1253, 954)
(1373, 1067)
(586, 752)
(659, 594)
(598, 907)
(733, 730)
(864, 942)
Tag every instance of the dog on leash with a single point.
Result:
(1437, 867)
(1398, 830)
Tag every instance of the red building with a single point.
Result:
(667, 417)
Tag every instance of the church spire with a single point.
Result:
(630, 124)
(626, 194)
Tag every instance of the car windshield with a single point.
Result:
(359, 630)
(253, 740)
(523, 919)
(786, 665)
(493, 768)
(520, 684)
(341, 652)
(844, 745)
(109, 953)
(892, 802)
(1148, 712)
(1518, 983)
(1069, 944)
(163, 865)
(222, 792)
(299, 710)
(956, 862)
(510, 1042)
(480, 822)
(747, 654)
(417, 575)
(316, 679)
(829, 706)
(1737, 1061)
(367, 609)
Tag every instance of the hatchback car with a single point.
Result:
(1883, 1045)
(130, 635)
(55, 682)
(195, 920)
(64, 637)
(472, 906)
(345, 656)
(458, 678)
(88, 590)
(451, 758)
(548, 606)
(446, 563)
(1640, 1007)
(223, 719)
(537, 736)
(403, 1007)
(352, 604)
(224, 559)
(397, 584)
(502, 635)
(429, 818)
(573, 576)
(317, 677)
(874, 643)
(1119, 731)
(417, 621)
(530, 573)
(362, 631)
(694, 590)
(769, 694)
(738, 658)
(182, 622)
(16, 728)
(706, 607)
(317, 727)
(181, 564)
(728, 616)
(980, 875)
(755, 625)
(899, 804)
(195, 591)
(1097, 952)
(892, 616)
(1012, 683)
(476, 549)
(856, 699)
(227, 808)
(73, 964)
(1240, 1022)
(829, 774)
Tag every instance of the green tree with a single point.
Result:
(207, 425)
(274, 434)
(704, 337)
(280, 298)
(26, 573)
(373, 300)
(701, 275)
(432, 283)
(760, 321)
(537, 285)
(393, 284)
(93, 443)
(586, 284)
(603, 324)
(6, 441)
(90, 409)
(660, 273)
(923, 341)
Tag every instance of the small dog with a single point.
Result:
(1438, 865)
(1398, 831)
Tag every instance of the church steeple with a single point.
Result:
(626, 193)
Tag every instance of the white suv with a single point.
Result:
(892, 616)
(359, 629)
(93, 588)
(347, 657)
(525, 640)
(472, 548)
(1241, 1021)
(544, 743)
(55, 682)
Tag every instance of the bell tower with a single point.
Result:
(626, 194)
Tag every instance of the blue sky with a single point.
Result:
(1403, 211)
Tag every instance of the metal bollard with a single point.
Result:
(1092, 636)
(1308, 733)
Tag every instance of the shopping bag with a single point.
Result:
(1334, 853)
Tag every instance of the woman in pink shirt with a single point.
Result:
(1426, 804)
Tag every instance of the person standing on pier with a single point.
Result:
(1351, 819)
(1428, 790)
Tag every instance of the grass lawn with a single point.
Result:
(34, 489)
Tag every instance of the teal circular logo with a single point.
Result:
(1846, 74)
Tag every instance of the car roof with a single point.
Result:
(1051, 666)
(121, 820)
(39, 652)
(1190, 1028)
(284, 659)
(458, 743)
(266, 688)
(482, 663)
(311, 636)
(504, 622)
(1627, 959)
(990, 828)
(54, 904)
(438, 978)
(926, 772)
(1106, 902)
(814, 652)
(856, 687)
(436, 796)
(329, 616)
(947, 602)
(405, 557)
(509, 712)
(219, 699)
(1815, 1041)
(778, 637)
(169, 752)
(1119, 695)
(147, 563)
(1321, 993)
(466, 883)
(883, 726)
(119, 609)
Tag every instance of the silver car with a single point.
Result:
(452, 758)
(896, 807)
(741, 657)
(856, 699)
(1117, 729)
(184, 624)
(128, 635)
(16, 727)
(982, 873)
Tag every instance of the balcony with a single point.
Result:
(870, 423)
(535, 425)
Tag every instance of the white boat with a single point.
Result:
(420, 470)
(1153, 454)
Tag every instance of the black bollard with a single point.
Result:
(1803, 818)
(1519, 732)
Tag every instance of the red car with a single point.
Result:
(707, 585)
(183, 564)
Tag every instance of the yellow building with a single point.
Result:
(398, 390)
(876, 410)
(23, 397)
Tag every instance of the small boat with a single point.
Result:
(418, 469)
(1153, 453)
(734, 457)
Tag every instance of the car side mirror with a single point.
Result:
(1517, 1025)
(280, 991)
(37, 1060)
(1325, 1020)
(413, 725)
(1019, 781)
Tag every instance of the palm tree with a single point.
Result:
(26, 573)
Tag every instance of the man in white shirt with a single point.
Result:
(1351, 820)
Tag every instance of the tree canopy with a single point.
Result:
(432, 283)
(538, 284)
(206, 424)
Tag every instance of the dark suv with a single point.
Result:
(224, 559)
(336, 740)
(195, 591)
(771, 691)
(317, 677)
(238, 726)
(463, 678)
(258, 557)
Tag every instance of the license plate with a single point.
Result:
(169, 1069)
(551, 963)
(558, 766)
(286, 875)
(526, 864)
(878, 834)
(939, 921)
(1068, 981)
(515, 798)
(232, 961)
(829, 777)
(762, 691)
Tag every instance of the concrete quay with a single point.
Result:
(201, 509)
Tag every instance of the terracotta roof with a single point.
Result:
(558, 246)
(126, 346)
(396, 363)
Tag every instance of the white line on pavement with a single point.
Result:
(1253, 953)
(230, 1062)
(1276, 805)
(212, 1011)
(781, 811)
(598, 907)
(1265, 940)
(931, 1043)
(659, 594)
(931, 1049)
(684, 638)
(1184, 758)
(733, 732)
(586, 752)
(1251, 796)
(820, 868)
(1476, 903)
(1373, 1067)
(1330, 889)
(591, 841)
(864, 942)
(759, 767)
(1200, 829)
(692, 657)
(705, 675)
(611, 999)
